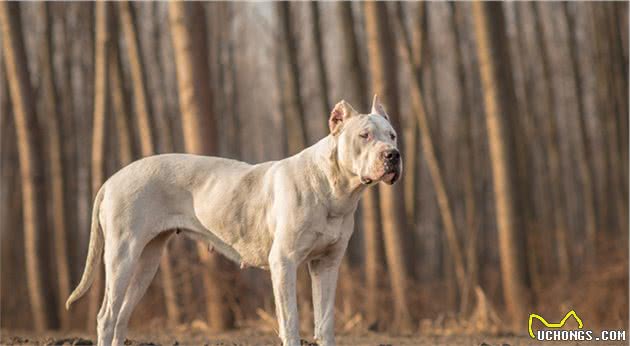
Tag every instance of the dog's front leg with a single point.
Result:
(324, 274)
(283, 276)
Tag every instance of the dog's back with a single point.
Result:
(220, 200)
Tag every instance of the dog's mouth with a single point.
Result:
(391, 172)
(390, 176)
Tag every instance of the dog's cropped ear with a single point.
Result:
(378, 108)
(342, 112)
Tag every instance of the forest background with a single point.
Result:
(513, 124)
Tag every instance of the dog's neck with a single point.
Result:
(343, 183)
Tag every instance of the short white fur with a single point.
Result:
(274, 215)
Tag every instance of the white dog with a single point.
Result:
(272, 215)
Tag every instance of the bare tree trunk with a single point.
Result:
(584, 164)
(614, 184)
(102, 45)
(30, 154)
(618, 28)
(11, 262)
(54, 135)
(381, 45)
(119, 102)
(430, 156)
(227, 81)
(517, 121)
(294, 108)
(557, 186)
(138, 76)
(536, 256)
(187, 21)
(411, 136)
(234, 93)
(615, 75)
(162, 125)
(168, 287)
(352, 63)
(71, 155)
(494, 66)
(326, 106)
(192, 68)
(468, 158)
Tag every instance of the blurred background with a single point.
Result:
(512, 117)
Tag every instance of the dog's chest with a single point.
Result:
(334, 226)
(339, 218)
(331, 232)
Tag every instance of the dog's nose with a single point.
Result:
(392, 155)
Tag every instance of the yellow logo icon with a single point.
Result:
(553, 325)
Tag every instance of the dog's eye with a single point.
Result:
(392, 136)
(364, 135)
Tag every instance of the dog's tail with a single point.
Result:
(95, 252)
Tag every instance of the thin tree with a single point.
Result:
(494, 68)
(519, 141)
(10, 210)
(71, 155)
(382, 62)
(163, 131)
(101, 92)
(29, 152)
(618, 24)
(615, 31)
(605, 77)
(119, 104)
(138, 76)
(54, 135)
(468, 158)
(316, 30)
(430, 155)
(187, 22)
(294, 108)
(537, 257)
(584, 165)
(411, 136)
(232, 85)
(558, 186)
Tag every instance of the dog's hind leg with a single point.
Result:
(143, 275)
(120, 261)
(100, 318)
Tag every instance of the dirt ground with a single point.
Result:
(251, 338)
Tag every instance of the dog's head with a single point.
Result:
(366, 143)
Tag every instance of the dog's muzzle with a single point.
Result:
(391, 162)
(391, 168)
